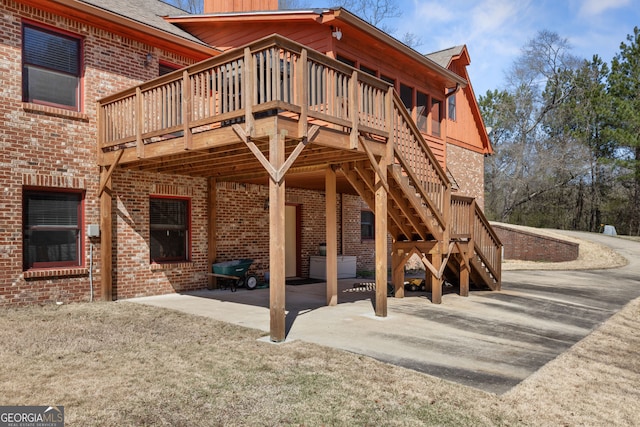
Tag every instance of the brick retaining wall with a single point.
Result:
(525, 246)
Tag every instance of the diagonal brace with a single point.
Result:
(374, 163)
(276, 175)
(103, 182)
(438, 273)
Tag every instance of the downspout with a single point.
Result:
(453, 92)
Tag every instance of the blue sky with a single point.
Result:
(495, 30)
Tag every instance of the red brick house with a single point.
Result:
(141, 144)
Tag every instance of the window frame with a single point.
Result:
(79, 98)
(27, 229)
(187, 229)
(371, 225)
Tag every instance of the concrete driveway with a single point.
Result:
(489, 340)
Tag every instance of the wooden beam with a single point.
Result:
(106, 236)
(104, 178)
(331, 236)
(277, 241)
(212, 229)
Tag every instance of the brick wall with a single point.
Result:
(243, 224)
(467, 168)
(50, 147)
(134, 274)
(525, 246)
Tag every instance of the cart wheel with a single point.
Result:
(240, 282)
(414, 287)
(252, 282)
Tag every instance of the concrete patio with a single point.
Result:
(489, 340)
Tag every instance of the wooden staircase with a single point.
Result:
(424, 217)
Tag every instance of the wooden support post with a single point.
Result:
(381, 239)
(464, 277)
(436, 282)
(277, 240)
(331, 236)
(398, 261)
(106, 233)
(464, 249)
(211, 230)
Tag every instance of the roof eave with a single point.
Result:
(351, 19)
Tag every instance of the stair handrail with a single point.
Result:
(434, 187)
(487, 244)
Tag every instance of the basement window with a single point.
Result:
(367, 225)
(51, 68)
(52, 229)
(169, 229)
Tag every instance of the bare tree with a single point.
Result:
(529, 161)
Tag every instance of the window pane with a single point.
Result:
(346, 61)
(406, 94)
(51, 229)
(51, 246)
(52, 51)
(422, 112)
(168, 245)
(435, 117)
(50, 86)
(389, 80)
(51, 209)
(169, 230)
(168, 213)
(452, 107)
(165, 69)
(368, 70)
(367, 225)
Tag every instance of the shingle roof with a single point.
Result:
(148, 12)
(443, 57)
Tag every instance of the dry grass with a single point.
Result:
(127, 364)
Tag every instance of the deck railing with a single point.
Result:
(271, 73)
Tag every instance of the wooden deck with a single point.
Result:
(276, 109)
